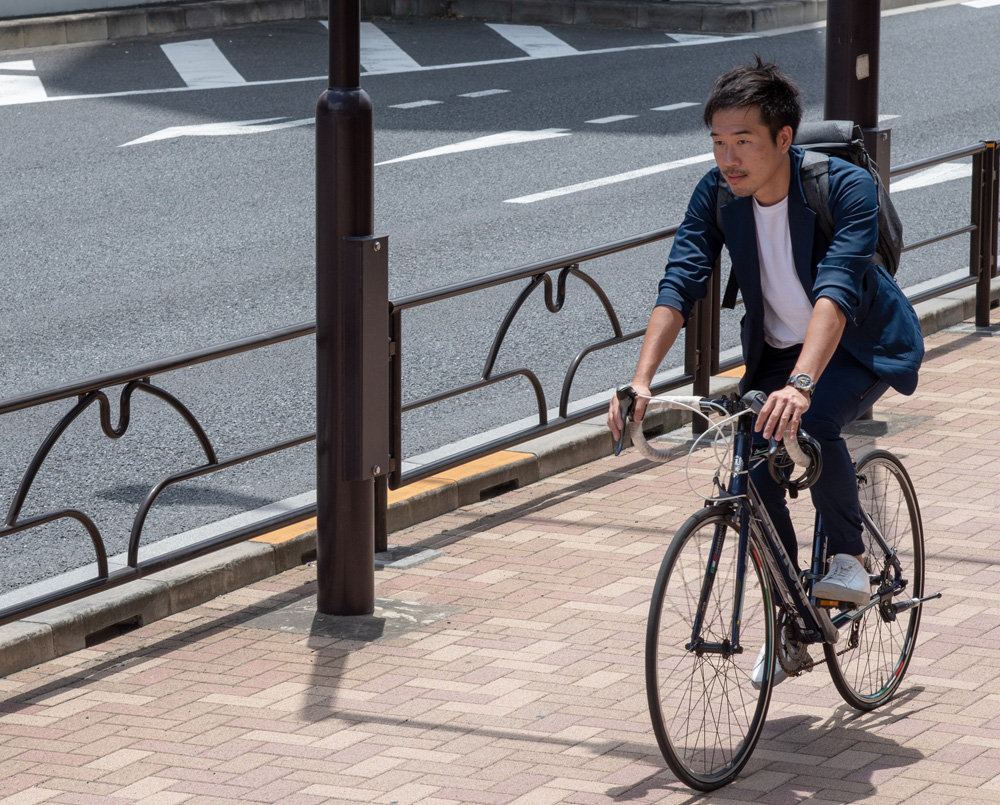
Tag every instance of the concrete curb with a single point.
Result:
(75, 626)
(132, 23)
(106, 614)
(746, 16)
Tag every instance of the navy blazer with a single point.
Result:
(882, 332)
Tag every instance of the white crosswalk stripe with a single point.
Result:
(534, 40)
(695, 39)
(379, 52)
(202, 65)
(17, 88)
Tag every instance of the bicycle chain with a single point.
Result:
(850, 644)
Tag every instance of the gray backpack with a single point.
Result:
(822, 140)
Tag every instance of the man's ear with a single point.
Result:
(784, 139)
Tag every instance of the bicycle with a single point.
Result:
(726, 587)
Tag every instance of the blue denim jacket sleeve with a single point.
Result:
(696, 248)
(854, 206)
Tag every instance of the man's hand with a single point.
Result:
(661, 332)
(615, 422)
(782, 413)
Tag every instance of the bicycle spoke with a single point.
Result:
(706, 714)
(869, 673)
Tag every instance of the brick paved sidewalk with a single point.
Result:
(515, 673)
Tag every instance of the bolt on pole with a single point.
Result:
(345, 506)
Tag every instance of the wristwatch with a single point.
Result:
(803, 383)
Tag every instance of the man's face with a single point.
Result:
(752, 162)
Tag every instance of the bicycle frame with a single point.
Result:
(755, 526)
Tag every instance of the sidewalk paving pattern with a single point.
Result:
(508, 669)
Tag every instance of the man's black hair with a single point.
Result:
(763, 85)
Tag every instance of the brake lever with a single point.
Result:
(626, 405)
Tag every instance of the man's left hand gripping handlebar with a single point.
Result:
(626, 406)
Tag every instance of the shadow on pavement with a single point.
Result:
(853, 759)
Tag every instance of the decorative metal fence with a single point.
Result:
(702, 360)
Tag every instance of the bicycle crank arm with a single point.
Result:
(902, 606)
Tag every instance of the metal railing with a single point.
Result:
(701, 362)
(91, 391)
(702, 353)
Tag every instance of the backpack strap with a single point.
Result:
(722, 197)
(815, 175)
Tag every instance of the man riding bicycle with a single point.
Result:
(826, 332)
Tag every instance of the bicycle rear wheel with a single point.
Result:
(706, 714)
(868, 666)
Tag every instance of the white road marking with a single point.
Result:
(221, 129)
(700, 39)
(483, 93)
(322, 79)
(621, 177)
(201, 64)
(671, 107)
(17, 89)
(414, 104)
(534, 40)
(611, 119)
(325, 24)
(380, 54)
(936, 175)
(981, 3)
(883, 118)
(489, 141)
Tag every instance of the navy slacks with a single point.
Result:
(846, 390)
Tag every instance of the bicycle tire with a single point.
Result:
(868, 668)
(706, 715)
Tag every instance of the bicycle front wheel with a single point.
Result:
(868, 666)
(707, 714)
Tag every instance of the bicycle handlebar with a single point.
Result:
(753, 400)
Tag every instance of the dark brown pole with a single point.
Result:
(345, 544)
(853, 28)
(852, 67)
(983, 251)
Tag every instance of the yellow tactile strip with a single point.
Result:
(460, 473)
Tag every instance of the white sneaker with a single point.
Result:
(847, 581)
(795, 659)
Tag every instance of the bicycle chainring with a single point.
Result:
(791, 638)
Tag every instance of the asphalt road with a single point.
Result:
(140, 222)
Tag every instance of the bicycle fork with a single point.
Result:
(726, 648)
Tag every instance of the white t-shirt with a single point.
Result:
(787, 309)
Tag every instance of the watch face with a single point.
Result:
(802, 382)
